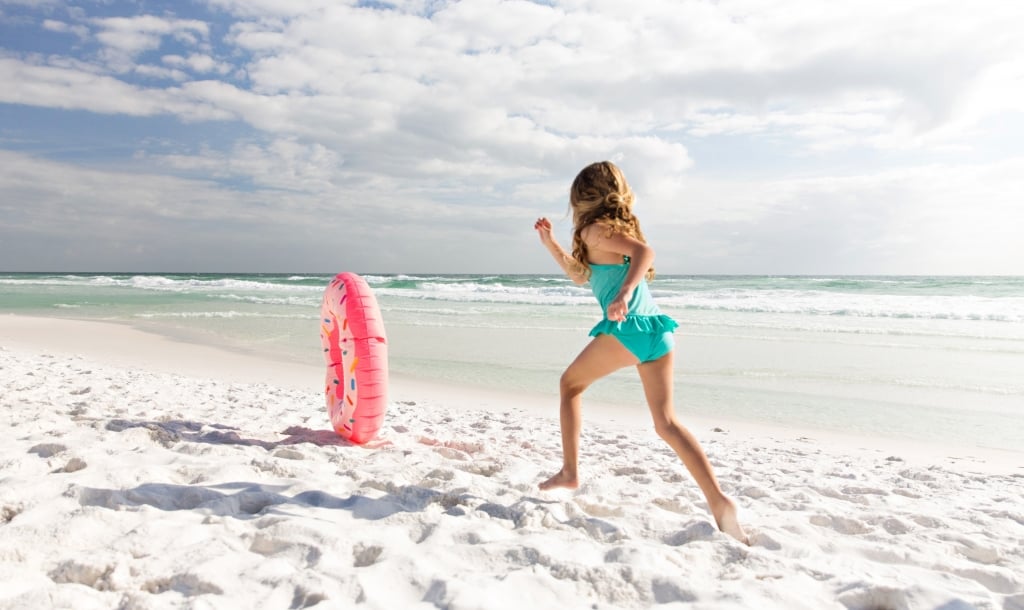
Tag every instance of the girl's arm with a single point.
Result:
(566, 262)
(604, 238)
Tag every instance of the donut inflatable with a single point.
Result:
(356, 352)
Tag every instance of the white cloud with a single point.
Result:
(198, 63)
(853, 75)
(161, 72)
(933, 219)
(483, 109)
(134, 35)
(95, 219)
(81, 88)
(33, 3)
(275, 8)
(520, 24)
(65, 28)
(281, 164)
(125, 38)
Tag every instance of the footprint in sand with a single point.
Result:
(896, 526)
(929, 522)
(829, 492)
(864, 491)
(438, 474)
(485, 468)
(45, 450)
(628, 471)
(598, 529)
(698, 530)
(874, 597)
(187, 584)
(764, 540)
(675, 505)
(9, 511)
(668, 592)
(995, 579)
(73, 465)
(973, 549)
(289, 454)
(307, 599)
(917, 475)
(453, 454)
(596, 508)
(74, 572)
(671, 476)
(270, 545)
(843, 525)
(754, 492)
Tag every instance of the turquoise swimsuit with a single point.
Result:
(646, 332)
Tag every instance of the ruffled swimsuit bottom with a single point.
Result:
(646, 332)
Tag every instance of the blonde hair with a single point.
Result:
(601, 195)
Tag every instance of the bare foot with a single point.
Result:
(727, 521)
(562, 479)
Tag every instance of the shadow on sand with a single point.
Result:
(247, 499)
(244, 500)
(167, 433)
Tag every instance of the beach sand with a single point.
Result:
(141, 472)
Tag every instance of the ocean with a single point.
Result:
(934, 359)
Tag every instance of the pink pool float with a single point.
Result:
(356, 352)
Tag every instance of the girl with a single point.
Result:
(609, 250)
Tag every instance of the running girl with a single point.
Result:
(609, 250)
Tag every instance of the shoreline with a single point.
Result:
(127, 346)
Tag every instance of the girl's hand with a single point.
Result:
(617, 309)
(543, 228)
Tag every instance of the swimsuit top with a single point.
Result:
(643, 314)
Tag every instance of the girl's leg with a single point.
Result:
(602, 356)
(656, 377)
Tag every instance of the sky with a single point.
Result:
(426, 136)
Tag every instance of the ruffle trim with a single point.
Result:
(636, 325)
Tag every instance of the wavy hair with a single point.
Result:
(601, 195)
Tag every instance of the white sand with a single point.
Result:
(139, 472)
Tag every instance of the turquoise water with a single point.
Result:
(929, 358)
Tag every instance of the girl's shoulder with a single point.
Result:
(604, 243)
(597, 230)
